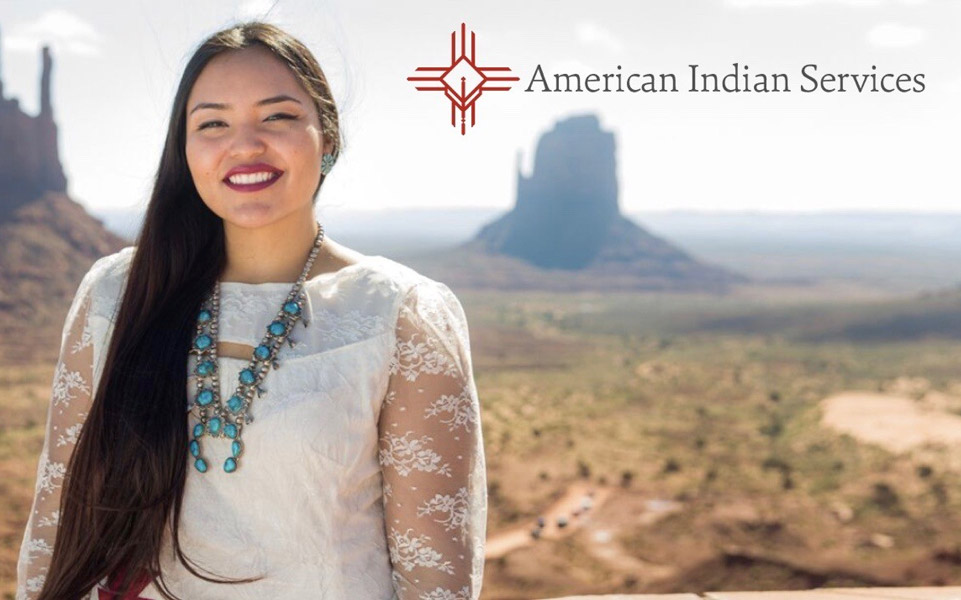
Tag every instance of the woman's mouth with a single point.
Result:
(251, 182)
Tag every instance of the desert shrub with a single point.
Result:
(710, 475)
(773, 429)
(671, 466)
(886, 498)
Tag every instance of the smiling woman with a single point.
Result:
(225, 138)
(364, 473)
(267, 139)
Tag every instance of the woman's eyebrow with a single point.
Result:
(222, 106)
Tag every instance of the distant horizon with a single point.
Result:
(892, 251)
(716, 211)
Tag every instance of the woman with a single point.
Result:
(362, 475)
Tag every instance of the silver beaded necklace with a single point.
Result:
(215, 417)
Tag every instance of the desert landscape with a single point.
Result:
(688, 442)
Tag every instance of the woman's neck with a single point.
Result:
(273, 253)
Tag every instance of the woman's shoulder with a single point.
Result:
(390, 276)
(411, 291)
(105, 280)
(115, 264)
(401, 278)
(393, 279)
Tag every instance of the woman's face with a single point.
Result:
(263, 123)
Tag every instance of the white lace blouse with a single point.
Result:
(363, 474)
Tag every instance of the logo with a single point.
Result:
(462, 81)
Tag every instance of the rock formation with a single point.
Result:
(566, 230)
(31, 164)
(566, 206)
(47, 241)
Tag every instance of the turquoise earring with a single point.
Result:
(326, 163)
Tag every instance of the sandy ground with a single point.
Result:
(897, 423)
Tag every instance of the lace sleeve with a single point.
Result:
(70, 400)
(431, 452)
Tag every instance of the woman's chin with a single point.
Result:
(251, 215)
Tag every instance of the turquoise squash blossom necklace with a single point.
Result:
(217, 419)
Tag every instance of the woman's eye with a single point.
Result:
(210, 124)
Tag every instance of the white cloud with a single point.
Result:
(792, 3)
(258, 9)
(592, 34)
(61, 29)
(894, 35)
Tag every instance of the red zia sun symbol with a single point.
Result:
(462, 81)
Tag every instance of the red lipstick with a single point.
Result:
(260, 167)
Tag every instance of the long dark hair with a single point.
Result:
(125, 480)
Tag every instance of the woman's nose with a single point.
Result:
(247, 140)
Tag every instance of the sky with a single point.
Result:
(117, 64)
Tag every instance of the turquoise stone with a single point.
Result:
(205, 368)
(198, 430)
(262, 352)
(230, 430)
(201, 465)
(247, 376)
(203, 341)
(277, 328)
(230, 465)
(214, 426)
(195, 447)
(236, 447)
(205, 397)
(291, 308)
(204, 316)
(235, 403)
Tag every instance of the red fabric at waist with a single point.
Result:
(113, 587)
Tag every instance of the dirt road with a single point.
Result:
(504, 542)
